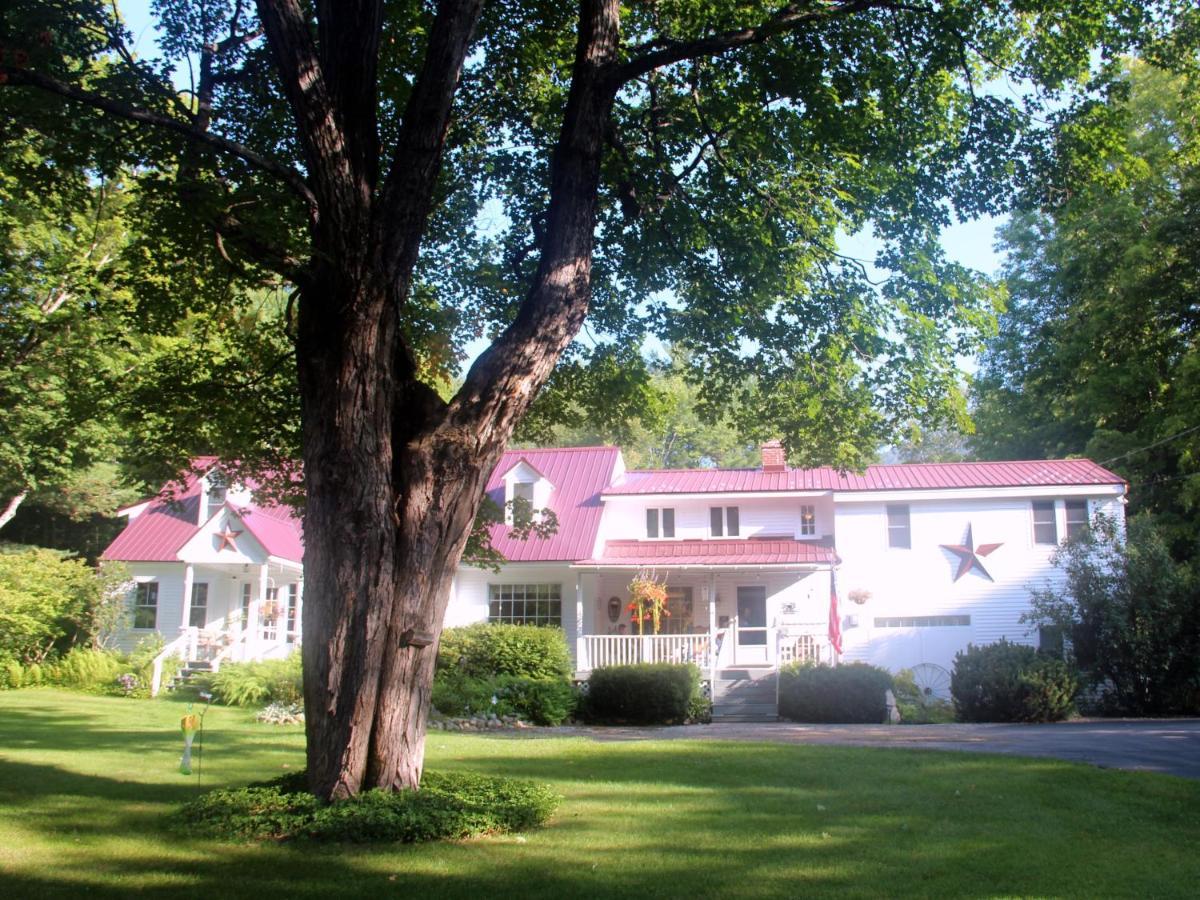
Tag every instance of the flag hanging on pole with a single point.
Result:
(835, 619)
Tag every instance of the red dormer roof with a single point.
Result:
(578, 474)
(905, 477)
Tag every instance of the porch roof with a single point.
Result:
(724, 553)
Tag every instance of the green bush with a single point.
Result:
(916, 708)
(647, 693)
(448, 806)
(542, 701)
(487, 650)
(46, 601)
(89, 669)
(853, 692)
(12, 674)
(1005, 682)
(259, 683)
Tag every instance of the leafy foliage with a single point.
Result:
(1133, 618)
(646, 693)
(1006, 682)
(255, 683)
(448, 806)
(486, 650)
(854, 692)
(915, 707)
(540, 701)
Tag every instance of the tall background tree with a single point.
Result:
(1097, 352)
(681, 168)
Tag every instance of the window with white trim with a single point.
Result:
(1077, 518)
(522, 507)
(899, 526)
(921, 621)
(808, 521)
(198, 609)
(145, 605)
(723, 521)
(660, 523)
(525, 604)
(1045, 528)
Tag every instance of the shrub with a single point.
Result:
(486, 650)
(647, 693)
(1005, 682)
(917, 708)
(854, 692)
(255, 683)
(88, 669)
(542, 701)
(281, 714)
(46, 599)
(449, 805)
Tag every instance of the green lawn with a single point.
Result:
(87, 784)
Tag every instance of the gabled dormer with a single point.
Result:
(524, 482)
(216, 490)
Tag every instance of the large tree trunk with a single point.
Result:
(395, 477)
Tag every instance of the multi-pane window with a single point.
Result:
(1045, 529)
(247, 588)
(145, 605)
(723, 521)
(199, 605)
(293, 601)
(522, 508)
(525, 604)
(1077, 518)
(680, 607)
(808, 521)
(921, 621)
(899, 526)
(660, 523)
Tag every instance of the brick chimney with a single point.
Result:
(773, 457)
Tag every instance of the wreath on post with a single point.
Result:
(647, 602)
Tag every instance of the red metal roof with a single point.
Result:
(752, 552)
(909, 476)
(578, 474)
(158, 533)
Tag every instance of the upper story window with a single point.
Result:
(899, 525)
(1045, 528)
(723, 521)
(145, 605)
(1077, 518)
(522, 507)
(808, 521)
(660, 523)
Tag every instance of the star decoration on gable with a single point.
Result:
(227, 538)
(969, 555)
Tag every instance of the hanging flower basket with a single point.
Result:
(647, 602)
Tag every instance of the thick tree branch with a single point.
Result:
(348, 35)
(408, 191)
(317, 122)
(289, 176)
(659, 53)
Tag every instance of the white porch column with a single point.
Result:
(580, 651)
(254, 641)
(712, 628)
(185, 622)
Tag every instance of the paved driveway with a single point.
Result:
(1171, 746)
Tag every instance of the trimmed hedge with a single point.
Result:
(448, 806)
(647, 693)
(853, 693)
(1005, 682)
(487, 650)
(541, 701)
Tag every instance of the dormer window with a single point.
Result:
(216, 495)
(526, 490)
(660, 523)
(522, 506)
(723, 521)
(808, 521)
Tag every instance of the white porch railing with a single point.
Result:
(596, 650)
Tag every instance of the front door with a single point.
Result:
(751, 646)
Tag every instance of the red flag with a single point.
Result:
(835, 619)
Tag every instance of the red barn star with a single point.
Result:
(969, 556)
(227, 538)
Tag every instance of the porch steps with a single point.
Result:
(184, 676)
(745, 695)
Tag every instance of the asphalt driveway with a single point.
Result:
(1170, 746)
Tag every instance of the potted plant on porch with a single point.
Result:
(647, 602)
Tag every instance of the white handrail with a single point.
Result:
(596, 650)
(226, 652)
(180, 643)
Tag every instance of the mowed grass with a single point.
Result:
(88, 786)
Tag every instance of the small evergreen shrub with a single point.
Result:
(259, 683)
(541, 701)
(448, 806)
(647, 693)
(1005, 682)
(853, 692)
(486, 650)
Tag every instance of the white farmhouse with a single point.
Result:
(903, 565)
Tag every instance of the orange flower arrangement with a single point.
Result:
(648, 602)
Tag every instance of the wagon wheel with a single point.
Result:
(932, 681)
